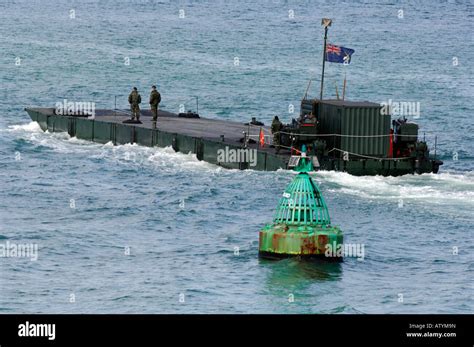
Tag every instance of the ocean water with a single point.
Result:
(130, 229)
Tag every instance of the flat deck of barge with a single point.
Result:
(202, 136)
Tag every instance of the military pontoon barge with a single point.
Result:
(346, 136)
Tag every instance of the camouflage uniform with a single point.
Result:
(276, 128)
(134, 99)
(155, 99)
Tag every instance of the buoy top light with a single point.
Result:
(304, 164)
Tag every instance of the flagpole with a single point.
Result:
(344, 87)
(327, 23)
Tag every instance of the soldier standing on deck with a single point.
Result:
(276, 128)
(134, 99)
(155, 99)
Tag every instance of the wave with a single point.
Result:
(32, 127)
(163, 158)
(447, 192)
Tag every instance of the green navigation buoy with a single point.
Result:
(301, 226)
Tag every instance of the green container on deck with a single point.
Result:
(358, 127)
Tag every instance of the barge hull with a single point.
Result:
(204, 137)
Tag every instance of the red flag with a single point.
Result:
(262, 138)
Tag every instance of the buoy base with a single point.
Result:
(278, 241)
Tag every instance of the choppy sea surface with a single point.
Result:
(130, 229)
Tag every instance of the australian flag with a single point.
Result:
(338, 54)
